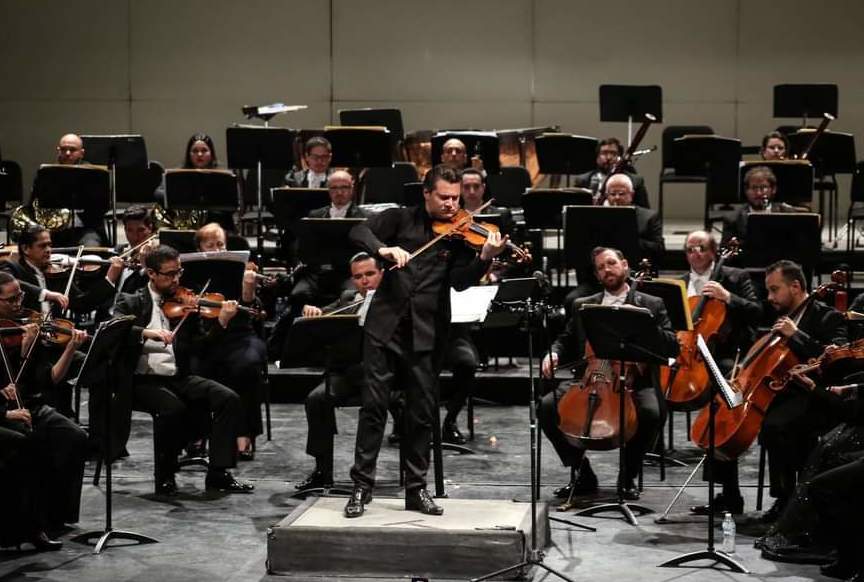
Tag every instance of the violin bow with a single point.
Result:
(443, 234)
(27, 357)
(186, 315)
(9, 374)
(131, 250)
(72, 273)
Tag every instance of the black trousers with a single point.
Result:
(387, 367)
(836, 494)
(462, 360)
(169, 398)
(344, 390)
(650, 411)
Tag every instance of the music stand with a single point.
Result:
(340, 339)
(137, 185)
(805, 100)
(477, 143)
(535, 555)
(182, 241)
(629, 102)
(224, 271)
(412, 193)
(732, 399)
(194, 189)
(109, 337)
(359, 147)
(611, 226)
(799, 233)
(82, 187)
(292, 204)
(260, 147)
(324, 241)
(389, 118)
(567, 154)
(718, 159)
(626, 334)
(794, 180)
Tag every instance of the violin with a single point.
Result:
(764, 367)
(831, 355)
(207, 305)
(462, 226)
(686, 384)
(55, 332)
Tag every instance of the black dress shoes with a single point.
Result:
(450, 434)
(722, 504)
(421, 500)
(317, 479)
(630, 493)
(357, 502)
(225, 482)
(43, 543)
(166, 486)
(773, 514)
(584, 484)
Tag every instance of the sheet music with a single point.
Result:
(732, 398)
(230, 256)
(472, 304)
(364, 308)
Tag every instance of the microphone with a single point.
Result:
(542, 283)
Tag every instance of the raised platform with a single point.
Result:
(472, 538)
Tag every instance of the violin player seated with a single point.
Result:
(156, 366)
(345, 384)
(611, 270)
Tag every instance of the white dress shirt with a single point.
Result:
(157, 358)
(619, 299)
(339, 212)
(317, 180)
(698, 280)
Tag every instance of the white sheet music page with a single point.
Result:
(472, 304)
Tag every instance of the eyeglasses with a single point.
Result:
(17, 298)
(341, 187)
(319, 157)
(695, 249)
(171, 274)
(68, 149)
(617, 193)
(761, 188)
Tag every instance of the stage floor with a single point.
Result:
(223, 538)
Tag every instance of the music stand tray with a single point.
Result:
(81, 187)
(673, 292)
(800, 234)
(794, 180)
(610, 226)
(224, 271)
(193, 189)
(249, 144)
(120, 151)
(833, 152)
(805, 100)
(292, 204)
(324, 241)
(542, 208)
(367, 116)
(564, 153)
(718, 159)
(359, 147)
(630, 102)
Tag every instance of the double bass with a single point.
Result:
(758, 379)
(686, 384)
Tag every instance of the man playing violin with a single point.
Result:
(612, 270)
(138, 226)
(734, 288)
(156, 366)
(49, 480)
(345, 384)
(790, 428)
(406, 329)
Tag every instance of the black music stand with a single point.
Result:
(214, 190)
(535, 554)
(610, 226)
(340, 339)
(115, 151)
(359, 147)
(805, 100)
(732, 399)
(260, 147)
(794, 180)
(182, 241)
(799, 233)
(389, 118)
(412, 193)
(718, 159)
(109, 337)
(566, 154)
(477, 143)
(629, 102)
(324, 241)
(137, 185)
(626, 334)
(82, 187)
(292, 204)
(222, 270)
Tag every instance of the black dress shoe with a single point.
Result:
(450, 434)
(166, 486)
(773, 514)
(584, 484)
(247, 455)
(224, 481)
(722, 504)
(421, 500)
(357, 502)
(43, 543)
(630, 493)
(317, 479)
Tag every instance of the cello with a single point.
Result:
(758, 379)
(686, 383)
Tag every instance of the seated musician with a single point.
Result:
(789, 429)
(454, 154)
(201, 155)
(317, 153)
(649, 228)
(138, 226)
(760, 189)
(345, 384)
(239, 359)
(162, 385)
(47, 477)
(734, 288)
(611, 269)
(88, 227)
(775, 145)
(609, 150)
(474, 195)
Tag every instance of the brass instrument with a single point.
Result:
(54, 219)
(176, 219)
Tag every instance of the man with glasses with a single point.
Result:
(162, 385)
(317, 154)
(340, 186)
(760, 189)
(609, 150)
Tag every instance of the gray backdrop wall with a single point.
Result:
(169, 68)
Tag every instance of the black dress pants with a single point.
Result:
(344, 390)
(650, 410)
(167, 399)
(388, 367)
(836, 494)
(462, 360)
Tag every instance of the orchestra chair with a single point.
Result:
(508, 186)
(675, 168)
(856, 205)
(386, 184)
(11, 191)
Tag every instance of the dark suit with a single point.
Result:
(406, 327)
(167, 397)
(736, 225)
(650, 406)
(594, 180)
(300, 179)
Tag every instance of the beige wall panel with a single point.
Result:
(57, 50)
(818, 43)
(427, 51)
(29, 130)
(453, 114)
(255, 51)
(686, 47)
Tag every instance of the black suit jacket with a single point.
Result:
(649, 227)
(640, 193)
(98, 293)
(820, 326)
(421, 290)
(570, 344)
(743, 312)
(736, 225)
(300, 178)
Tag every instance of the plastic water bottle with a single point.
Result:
(728, 534)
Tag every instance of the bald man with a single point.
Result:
(455, 154)
(340, 186)
(88, 228)
(70, 150)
